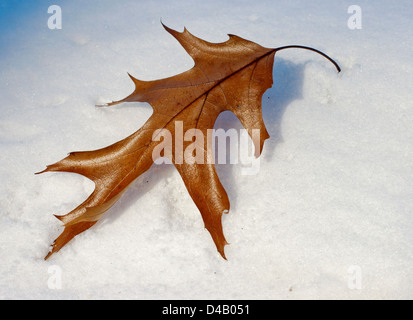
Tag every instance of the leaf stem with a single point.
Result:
(311, 49)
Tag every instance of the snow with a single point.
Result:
(328, 216)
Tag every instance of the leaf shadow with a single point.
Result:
(142, 185)
(288, 87)
(288, 79)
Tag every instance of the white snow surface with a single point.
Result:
(328, 216)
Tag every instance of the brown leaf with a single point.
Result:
(232, 76)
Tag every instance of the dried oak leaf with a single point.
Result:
(233, 76)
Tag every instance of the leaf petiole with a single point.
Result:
(311, 49)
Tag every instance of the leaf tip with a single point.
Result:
(221, 251)
(112, 103)
(174, 33)
(132, 77)
(166, 27)
(59, 217)
(48, 255)
(43, 171)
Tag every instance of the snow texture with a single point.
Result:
(328, 216)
